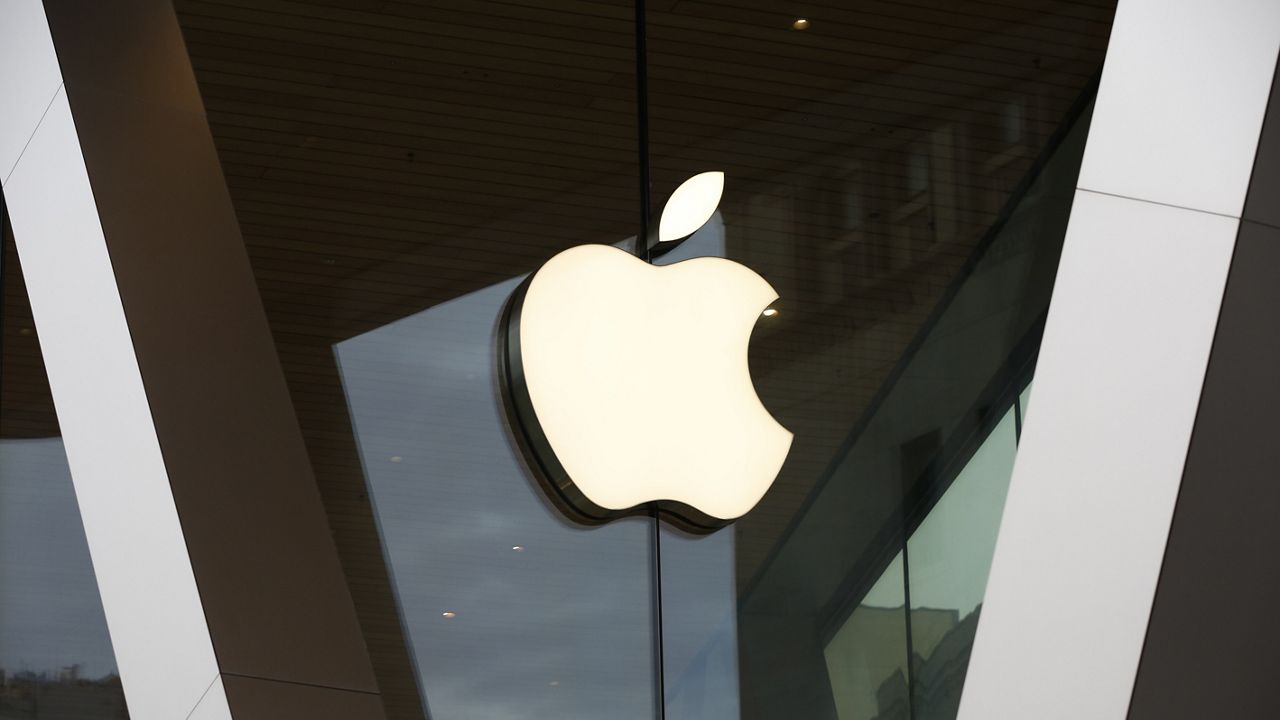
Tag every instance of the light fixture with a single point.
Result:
(800, 24)
(449, 614)
(518, 548)
(770, 312)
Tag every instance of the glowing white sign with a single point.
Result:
(631, 382)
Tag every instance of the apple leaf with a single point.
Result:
(691, 206)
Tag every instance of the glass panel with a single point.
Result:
(906, 193)
(950, 556)
(901, 175)
(396, 169)
(56, 660)
(511, 611)
(700, 649)
(867, 656)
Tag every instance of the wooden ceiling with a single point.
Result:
(386, 157)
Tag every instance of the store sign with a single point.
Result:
(629, 384)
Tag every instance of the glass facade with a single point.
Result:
(510, 611)
(901, 175)
(55, 654)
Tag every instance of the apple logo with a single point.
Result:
(628, 383)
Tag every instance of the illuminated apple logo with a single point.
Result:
(628, 382)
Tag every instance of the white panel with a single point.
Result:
(29, 76)
(1183, 93)
(148, 590)
(213, 706)
(1098, 469)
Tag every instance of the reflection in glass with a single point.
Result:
(55, 655)
(56, 660)
(699, 627)
(560, 627)
(950, 555)
(901, 174)
(867, 657)
(393, 167)
(907, 197)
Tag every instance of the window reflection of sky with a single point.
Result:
(562, 628)
(50, 614)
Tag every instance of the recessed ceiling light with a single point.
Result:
(800, 24)
(518, 548)
(770, 312)
(449, 614)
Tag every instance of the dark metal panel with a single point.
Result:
(1210, 648)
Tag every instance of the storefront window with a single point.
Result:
(901, 175)
(902, 335)
(510, 611)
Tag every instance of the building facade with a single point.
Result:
(260, 453)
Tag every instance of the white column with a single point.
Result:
(145, 577)
(200, 507)
(1129, 331)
